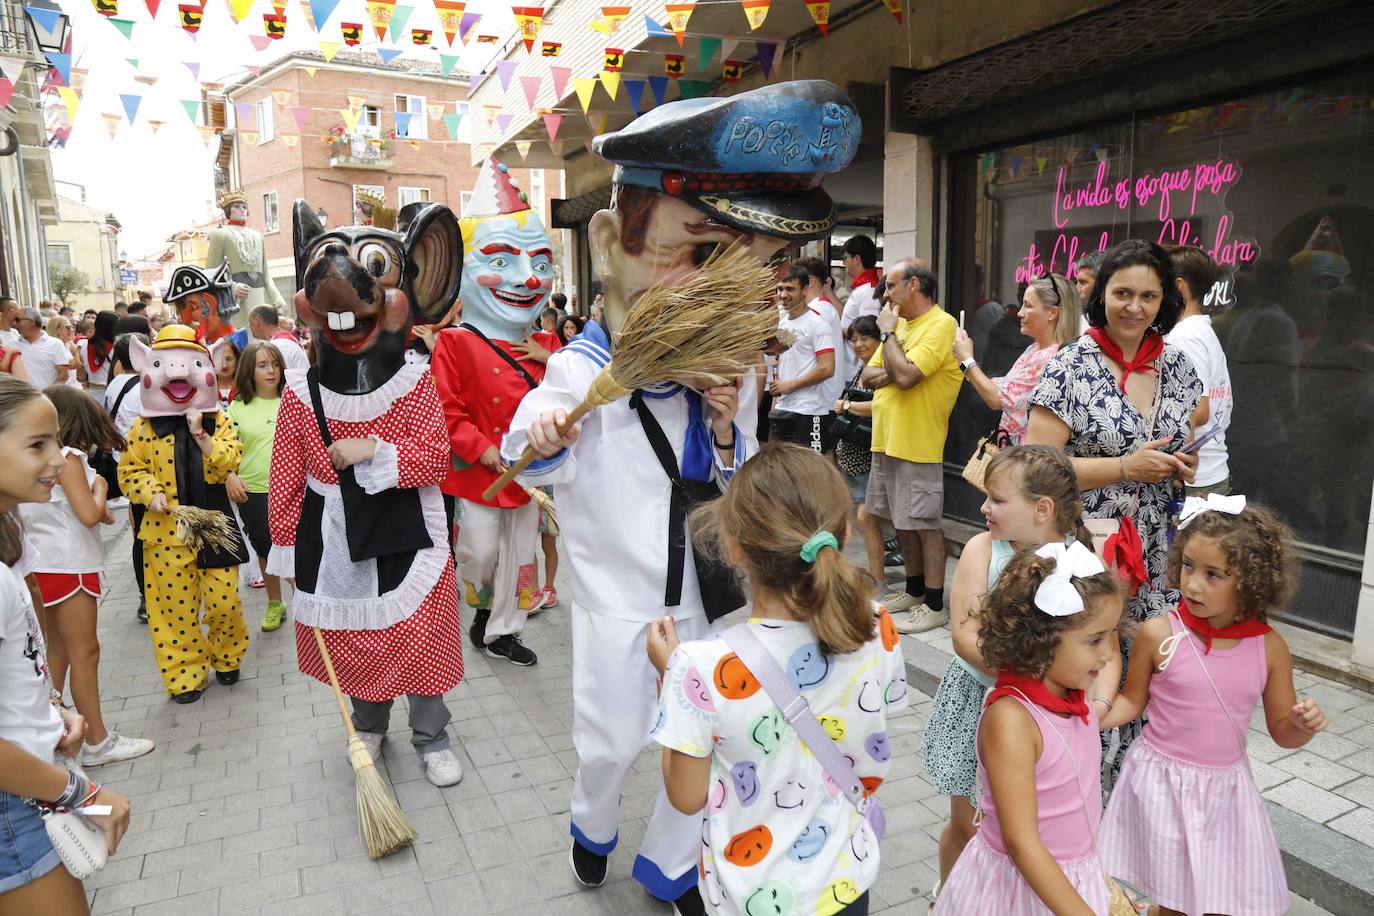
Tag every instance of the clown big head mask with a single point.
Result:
(178, 372)
(507, 258)
(362, 287)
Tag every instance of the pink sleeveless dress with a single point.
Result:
(1186, 823)
(985, 881)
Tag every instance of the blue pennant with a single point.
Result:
(659, 85)
(403, 123)
(62, 63)
(322, 10)
(635, 90)
(654, 30)
(388, 54)
(131, 103)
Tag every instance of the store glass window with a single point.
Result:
(1278, 187)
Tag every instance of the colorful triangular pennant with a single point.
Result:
(551, 124)
(130, 103)
(329, 49)
(634, 91)
(450, 15)
(756, 11)
(389, 54)
(302, 114)
(531, 86)
(62, 63)
(706, 49)
(321, 10)
(379, 13)
(767, 50)
(896, 8)
(653, 30)
(192, 107)
(550, 48)
(238, 9)
(659, 86)
(678, 14)
(584, 89)
(560, 77)
(111, 123)
(820, 14)
(505, 69)
(352, 33)
(125, 26)
(451, 121)
(447, 62)
(528, 20)
(399, 17)
(611, 81)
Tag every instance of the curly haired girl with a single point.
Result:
(1186, 823)
(1049, 628)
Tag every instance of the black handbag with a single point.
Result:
(846, 427)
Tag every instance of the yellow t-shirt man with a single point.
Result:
(912, 424)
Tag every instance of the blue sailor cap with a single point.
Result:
(754, 161)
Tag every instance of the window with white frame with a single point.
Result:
(59, 254)
(413, 195)
(537, 191)
(463, 202)
(270, 217)
(263, 108)
(414, 105)
(370, 120)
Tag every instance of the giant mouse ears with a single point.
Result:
(305, 228)
(434, 262)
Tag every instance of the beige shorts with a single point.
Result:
(910, 495)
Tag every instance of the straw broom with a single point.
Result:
(205, 529)
(711, 327)
(381, 822)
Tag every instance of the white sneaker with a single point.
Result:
(442, 767)
(373, 742)
(114, 749)
(897, 601)
(920, 619)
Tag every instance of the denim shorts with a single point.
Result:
(26, 853)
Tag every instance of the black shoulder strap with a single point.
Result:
(119, 398)
(312, 380)
(677, 503)
(529, 379)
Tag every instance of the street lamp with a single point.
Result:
(50, 25)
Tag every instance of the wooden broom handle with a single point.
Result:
(334, 681)
(527, 457)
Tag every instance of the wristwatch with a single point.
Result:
(884, 336)
(967, 364)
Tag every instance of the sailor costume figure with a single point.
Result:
(690, 176)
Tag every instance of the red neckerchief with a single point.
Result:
(284, 335)
(1150, 348)
(236, 222)
(1241, 629)
(92, 353)
(1009, 682)
(869, 277)
(1125, 553)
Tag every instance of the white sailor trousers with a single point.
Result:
(493, 544)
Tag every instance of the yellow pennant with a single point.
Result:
(112, 123)
(611, 19)
(527, 22)
(491, 111)
(678, 14)
(611, 81)
(281, 97)
(238, 9)
(756, 11)
(249, 136)
(329, 49)
(291, 140)
(350, 118)
(379, 14)
(356, 102)
(155, 125)
(71, 100)
(523, 148)
(436, 111)
(584, 89)
(310, 71)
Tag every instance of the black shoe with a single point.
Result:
(512, 650)
(189, 696)
(142, 611)
(892, 544)
(689, 904)
(893, 558)
(478, 631)
(588, 868)
(227, 678)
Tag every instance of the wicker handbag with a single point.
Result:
(976, 470)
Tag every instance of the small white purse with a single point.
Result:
(79, 842)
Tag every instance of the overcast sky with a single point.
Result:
(156, 184)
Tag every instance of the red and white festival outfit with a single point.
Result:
(383, 643)
(495, 545)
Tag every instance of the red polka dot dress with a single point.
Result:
(388, 632)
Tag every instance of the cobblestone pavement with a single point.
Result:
(247, 805)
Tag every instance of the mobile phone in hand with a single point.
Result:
(1200, 441)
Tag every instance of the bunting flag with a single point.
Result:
(531, 86)
(611, 19)
(62, 63)
(767, 50)
(706, 49)
(320, 11)
(550, 48)
(291, 140)
(379, 13)
(523, 148)
(450, 15)
(244, 110)
(820, 14)
(156, 125)
(207, 134)
(329, 49)
(503, 122)
(673, 65)
(238, 9)
(125, 26)
(350, 118)
(634, 91)
(403, 123)
(352, 33)
(388, 54)
(584, 89)
(132, 62)
(560, 76)
(435, 110)
(194, 67)
(528, 20)
(12, 69)
(614, 59)
(447, 62)
(491, 111)
(280, 97)
(190, 17)
(694, 89)
(255, 69)
(896, 8)
(302, 114)
(505, 69)
(146, 80)
(598, 124)
(192, 107)
(111, 123)
(275, 25)
(356, 102)
(678, 14)
(421, 37)
(152, 6)
(69, 98)
(130, 103)
(488, 39)
(610, 79)
(653, 30)
(658, 85)
(466, 24)
(730, 70)
(755, 11)
(279, 6)
(249, 137)
(108, 8)
(556, 148)
(451, 121)
(551, 123)
(399, 17)
(310, 71)
(259, 42)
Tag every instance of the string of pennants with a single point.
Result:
(388, 21)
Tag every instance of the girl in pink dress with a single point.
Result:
(1186, 823)
(1049, 627)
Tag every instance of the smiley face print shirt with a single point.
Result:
(779, 837)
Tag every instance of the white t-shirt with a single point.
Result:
(100, 377)
(813, 337)
(27, 717)
(64, 545)
(1195, 337)
(42, 357)
(129, 408)
(842, 374)
(861, 301)
(10, 339)
(776, 826)
(292, 353)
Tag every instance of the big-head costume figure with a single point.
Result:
(243, 248)
(181, 450)
(356, 514)
(483, 372)
(690, 176)
(204, 300)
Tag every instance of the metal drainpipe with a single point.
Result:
(38, 280)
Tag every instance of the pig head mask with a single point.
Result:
(361, 288)
(178, 372)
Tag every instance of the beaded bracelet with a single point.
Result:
(72, 795)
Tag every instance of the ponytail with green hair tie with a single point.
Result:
(813, 545)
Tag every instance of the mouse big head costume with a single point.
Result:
(362, 287)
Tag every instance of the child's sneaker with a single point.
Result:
(272, 617)
(114, 749)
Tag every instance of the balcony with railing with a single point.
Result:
(363, 148)
(16, 40)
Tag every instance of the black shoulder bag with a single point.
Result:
(514, 364)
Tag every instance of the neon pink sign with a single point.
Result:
(1175, 196)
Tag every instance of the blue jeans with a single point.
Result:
(26, 853)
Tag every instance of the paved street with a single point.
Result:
(247, 805)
